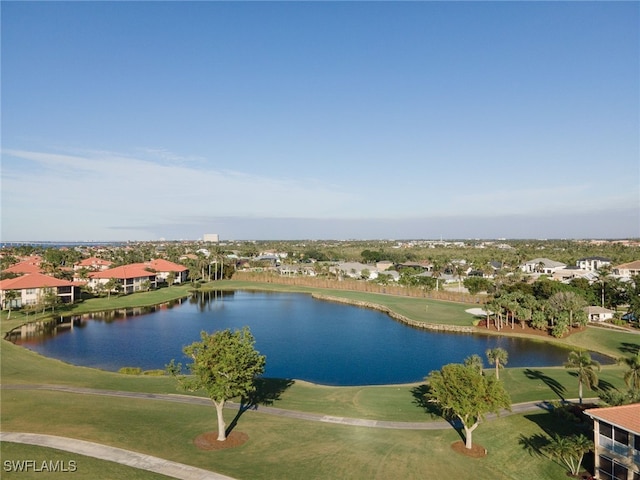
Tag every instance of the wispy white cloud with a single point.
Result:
(154, 192)
(137, 187)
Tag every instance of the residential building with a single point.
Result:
(627, 269)
(163, 268)
(211, 237)
(599, 314)
(132, 278)
(27, 265)
(616, 432)
(591, 264)
(94, 264)
(33, 287)
(541, 265)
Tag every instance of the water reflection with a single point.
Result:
(303, 338)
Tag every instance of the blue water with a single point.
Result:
(302, 338)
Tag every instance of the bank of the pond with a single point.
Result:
(605, 342)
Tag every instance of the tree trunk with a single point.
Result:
(468, 431)
(222, 427)
(580, 391)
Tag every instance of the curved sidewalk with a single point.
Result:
(113, 454)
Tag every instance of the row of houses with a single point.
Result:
(584, 267)
(32, 283)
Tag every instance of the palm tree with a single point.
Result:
(474, 361)
(499, 357)
(459, 270)
(569, 450)
(586, 370)
(436, 271)
(632, 376)
(602, 274)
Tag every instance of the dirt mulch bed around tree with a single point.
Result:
(476, 451)
(209, 440)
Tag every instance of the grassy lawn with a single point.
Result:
(277, 447)
(282, 447)
(87, 468)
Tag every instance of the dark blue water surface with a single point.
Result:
(302, 338)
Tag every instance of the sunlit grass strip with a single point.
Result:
(277, 447)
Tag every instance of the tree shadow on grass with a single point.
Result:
(421, 399)
(631, 348)
(563, 421)
(555, 386)
(268, 390)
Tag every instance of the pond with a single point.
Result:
(302, 338)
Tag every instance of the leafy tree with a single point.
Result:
(633, 297)
(462, 392)
(225, 365)
(477, 284)
(544, 288)
(9, 297)
(569, 450)
(585, 368)
(571, 303)
(49, 298)
(499, 357)
(616, 398)
(372, 256)
(111, 285)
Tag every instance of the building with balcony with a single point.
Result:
(616, 432)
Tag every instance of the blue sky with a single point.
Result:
(303, 120)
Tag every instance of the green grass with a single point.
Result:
(86, 468)
(277, 447)
(287, 448)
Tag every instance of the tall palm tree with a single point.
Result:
(436, 271)
(632, 376)
(602, 274)
(499, 357)
(586, 370)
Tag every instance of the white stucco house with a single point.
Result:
(591, 264)
(542, 265)
(599, 314)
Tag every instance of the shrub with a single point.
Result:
(130, 370)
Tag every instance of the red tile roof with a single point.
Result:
(136, 270)
(161, 265)
(33, 280)
(625, 416)
(133, 270)
(94, 262)
(26, 266)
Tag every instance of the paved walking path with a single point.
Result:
(314, 417)
(186, 472)
(113, 454)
